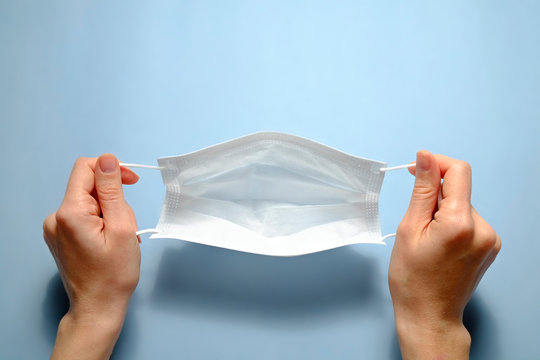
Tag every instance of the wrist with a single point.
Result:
(87, 336)
(106, 323)
(109, 315)
(433, 339)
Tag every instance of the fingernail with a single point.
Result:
(422, 161)
(107, 164)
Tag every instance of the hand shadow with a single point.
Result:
(56, 304)
(231, 283)
(481, 325)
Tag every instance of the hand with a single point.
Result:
(442, 249)
(92, 239)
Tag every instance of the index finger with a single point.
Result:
(81, 181)
(457, 176)
(457, 179)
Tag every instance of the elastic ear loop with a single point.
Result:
(142, 166)
(404, 166)
(153, 230)
(151, 167)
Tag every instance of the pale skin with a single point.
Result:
(441, 251)
(98, 257)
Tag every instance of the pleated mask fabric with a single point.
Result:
(273, 194)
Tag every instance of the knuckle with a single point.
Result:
(133, 280)
(393, 280)
(455, 206)
(83, 162)
(397, 278)
(464, 166)
(64, 217)
(128, 283)
(49, 224)
(122, 232)
(109, 192)
(50, 233)
(498, 244)
(460, 227)
(405, 228)
(424, 191)
(80, 161)
(487, 240)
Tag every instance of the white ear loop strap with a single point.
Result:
(142, 166)
(387, 237)
(405, 166)
(145, 231)
(398, 167)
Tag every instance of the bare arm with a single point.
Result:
(443, 247)
(92, 239)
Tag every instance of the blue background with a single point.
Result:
(379, 79)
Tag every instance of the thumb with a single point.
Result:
(425, 192)
(109, 191)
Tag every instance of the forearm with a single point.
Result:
(86, 338)
(438, 341)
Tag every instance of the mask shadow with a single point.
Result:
(228, 282)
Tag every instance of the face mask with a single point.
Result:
(271, 194)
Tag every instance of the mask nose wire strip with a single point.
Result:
(142, 166)
(398, 167)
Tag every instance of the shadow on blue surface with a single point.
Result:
(228, 282)
(481, 325)
(56, 304)
(232, 283)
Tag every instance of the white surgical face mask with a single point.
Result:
(271, 193)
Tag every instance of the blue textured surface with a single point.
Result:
(379, 80)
